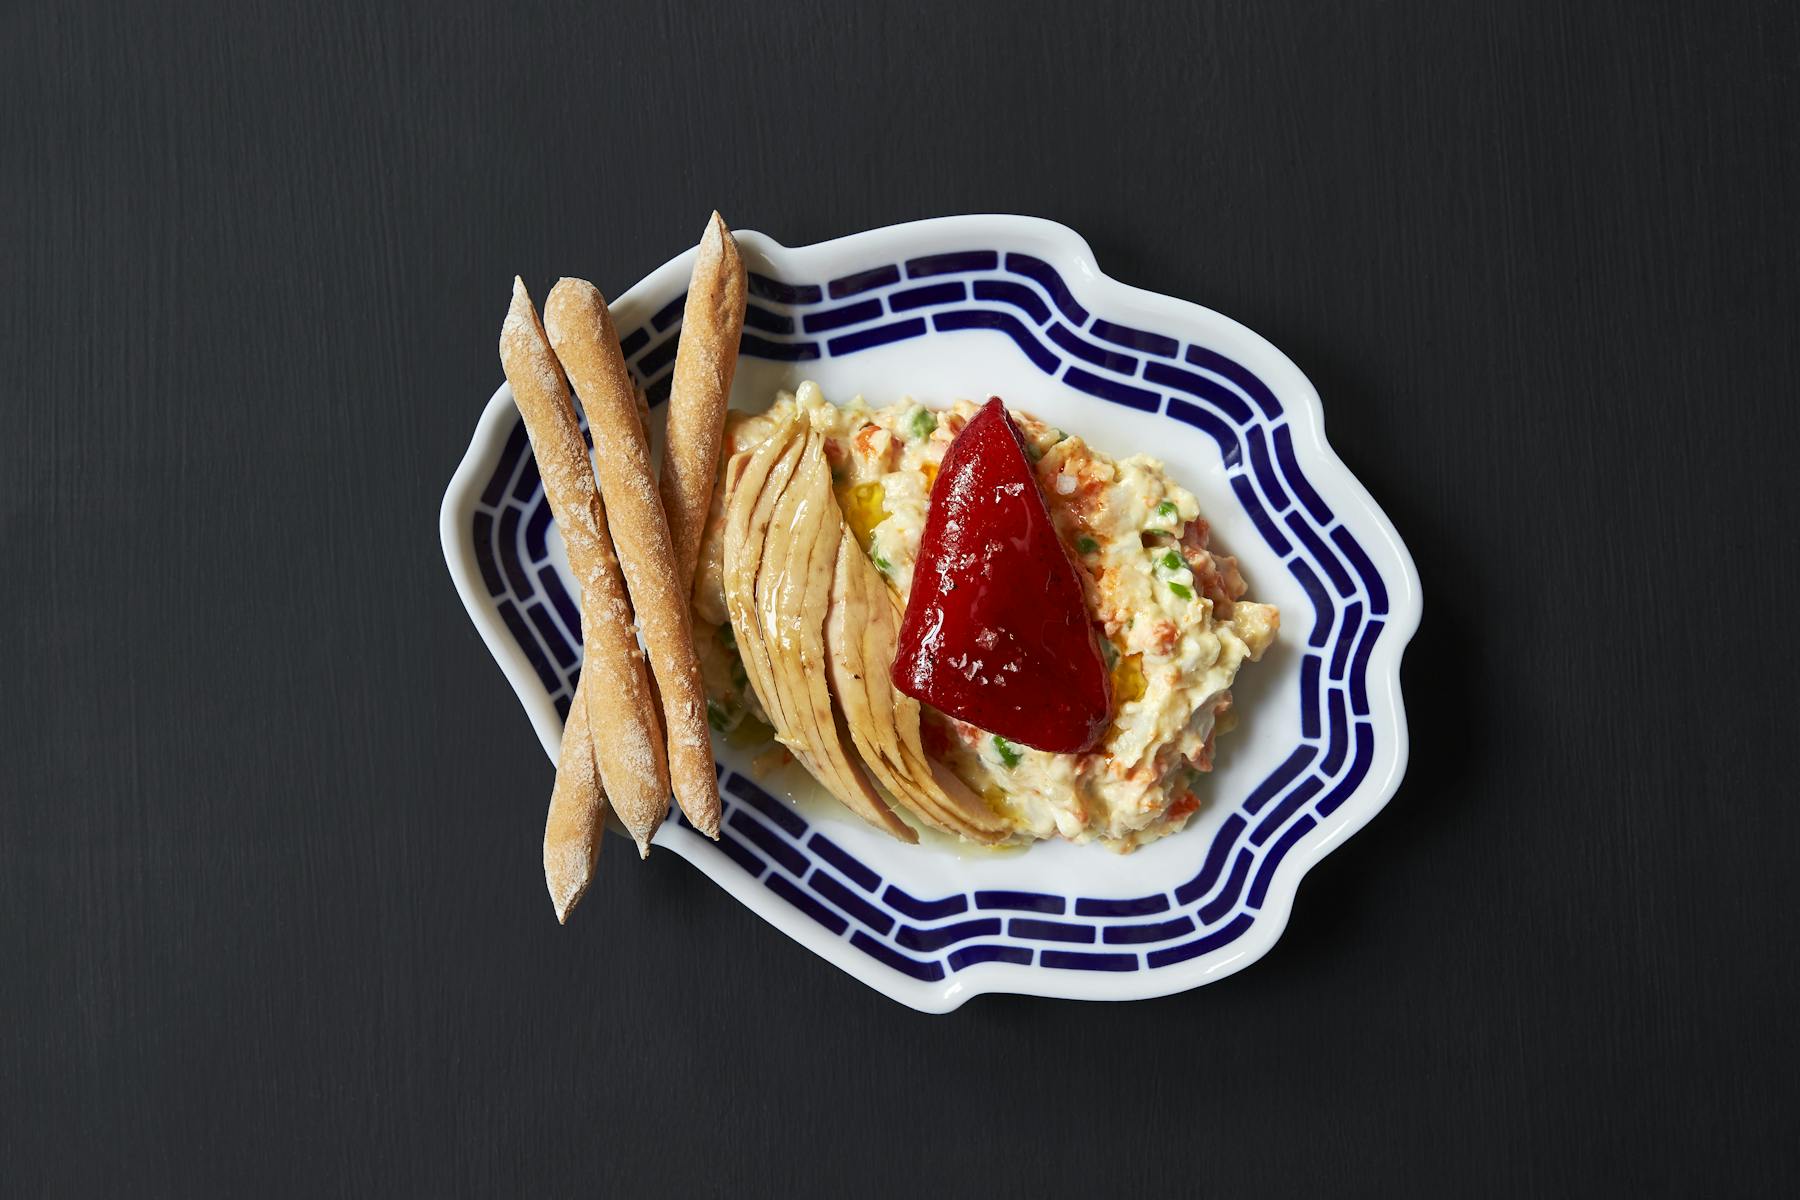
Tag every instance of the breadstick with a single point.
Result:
(581, 330)
(705, 361)
(627, 744)
(577, 818)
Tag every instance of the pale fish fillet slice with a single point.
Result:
(749, 475)
(793, 590)
(860, 637)
(906, 720)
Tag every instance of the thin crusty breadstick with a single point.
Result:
(577, 818)
(705, 361)
(581, 330)
(627, 743)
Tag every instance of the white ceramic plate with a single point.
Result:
(967, 307)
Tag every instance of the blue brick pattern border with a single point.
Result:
(1026, 301)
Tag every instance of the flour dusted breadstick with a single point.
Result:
(581, 330)
(705, 361)
(577, 817)
(627, 745)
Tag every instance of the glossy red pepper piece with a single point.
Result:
(996, 630)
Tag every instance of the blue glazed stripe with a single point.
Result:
(1023, 299)
(482, 528)
(764, 288)
(1359, 670)
(537, 529)
(564, 654)
(560, 600)
(767, 805)
(923, 297)
(1020, 901)
(1075, 960)
(1137, 907)
(929, 971)
(1259, 890)
(534, 653)
(780, 885)
(1158, 931)
(1006, 323)
(510, 454)
(925, 910)
(669, 313)
(952, 264)
(1340, 653)
(880, 335)
(1216, 855)
(1135, 339)
(1340, 733)
(1231, 449)
(1112, 360)
(1303, 791)
(1264, 470)
(657, 358)
(842, 898)
(848, 866)
(1280, 777)
(1201, 945)
(838, 318)
(1309, 697)
(1378, 599)
(1048, 931)
(756, 347)
(1218, 364)
(741, 854)
(970, 956)
(1323, 610)
(636, 340)
(1259, 516)
(767, 320)
(1226, 900)
(862, 281)
(1015, 294)
(1108, 389)
(1315, 546)
(1290, 471)
(768, 841)
(929, 940)
(1045, 275)
(1210, 393)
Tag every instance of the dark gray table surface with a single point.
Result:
(271, 916)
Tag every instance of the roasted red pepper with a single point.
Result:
(996, 630)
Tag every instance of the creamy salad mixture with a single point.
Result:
(1176, 629)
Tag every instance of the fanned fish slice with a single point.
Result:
(860, 630)
(751, 474)
(780, 547)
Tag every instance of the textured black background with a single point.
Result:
(271, 916)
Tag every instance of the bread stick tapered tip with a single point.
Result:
(577, 818)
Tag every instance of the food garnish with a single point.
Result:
(996, 631)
